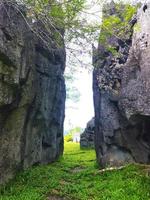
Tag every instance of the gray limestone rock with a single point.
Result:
(32, 94)
(87, 137)
(122, 98)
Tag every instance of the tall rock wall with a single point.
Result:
(121, 87)
(32, 94)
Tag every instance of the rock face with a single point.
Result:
(32, 94)
(87, 137)
(122, 97)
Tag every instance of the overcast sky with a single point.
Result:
(83, 111)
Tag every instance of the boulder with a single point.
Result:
(32, 93)
(87, 137)
(121, 87)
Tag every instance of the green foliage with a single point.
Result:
(69, 136)
(76, 176)
(72, 93)
(67, 15)
(62, 14)
(137, 27)
(75, 130)
(117, 25)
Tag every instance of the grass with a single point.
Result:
(76, 176)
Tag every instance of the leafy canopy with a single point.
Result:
(117, 24)
(62, 14)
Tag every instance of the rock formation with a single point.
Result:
(32, 93)
(121, 87)
(87, 137)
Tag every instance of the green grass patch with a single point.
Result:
(76, 176)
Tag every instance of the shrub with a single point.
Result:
(68, 137)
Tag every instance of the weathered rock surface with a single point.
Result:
(87, 137)
(122, 97)
(32, 94)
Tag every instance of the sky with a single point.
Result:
(78, 114)
(83, 110)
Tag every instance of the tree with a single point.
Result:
(59, 15)
(69, 15)
(117, 23)
(70, 134)
(73, 16)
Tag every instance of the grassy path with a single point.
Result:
(76, 176)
